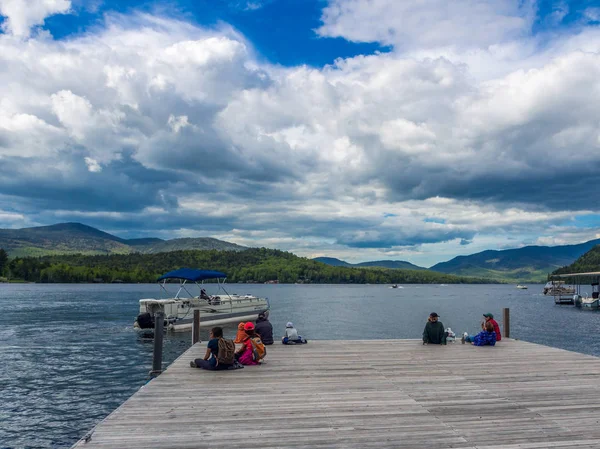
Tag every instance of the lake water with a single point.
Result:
(70, 355)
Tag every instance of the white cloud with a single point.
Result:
(178, 123)
(93, 165)
(22, 15)
(408, 24)
(387, 154)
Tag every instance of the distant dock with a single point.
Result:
(368, 394)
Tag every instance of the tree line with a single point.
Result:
(252, 265)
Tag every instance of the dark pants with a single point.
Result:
(287, 341)
(209, 365)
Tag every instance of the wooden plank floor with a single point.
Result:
(368, 394)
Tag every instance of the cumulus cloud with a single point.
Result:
(22, 15)
(156, 124)
(408, 24)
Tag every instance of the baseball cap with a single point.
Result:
(433, 315)
(488, 315)
(249, 326)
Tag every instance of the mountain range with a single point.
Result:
(77, 238)
(527, 264)
(392, 264)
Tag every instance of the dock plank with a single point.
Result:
(367, 394)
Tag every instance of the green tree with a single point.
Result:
(3, 260)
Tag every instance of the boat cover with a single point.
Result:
(192, 274)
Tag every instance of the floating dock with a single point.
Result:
(368, 394)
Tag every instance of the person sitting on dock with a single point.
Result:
(291, 336)
(486, 337)
(489, 318)
(434, 332)
(219, 352)
(247, 354)
(241, 334)
(264, 328)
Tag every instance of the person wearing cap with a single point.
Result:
(291, 336)
(245, 355)
(486, 337)
(489, 318)
(434, 332)
(264, 328)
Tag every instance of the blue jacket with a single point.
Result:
(485, 338)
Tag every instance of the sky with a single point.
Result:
(357, 129)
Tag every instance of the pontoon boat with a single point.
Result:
(215, 309)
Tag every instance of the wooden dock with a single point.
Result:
(368, 394)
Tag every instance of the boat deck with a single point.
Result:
(368, 394)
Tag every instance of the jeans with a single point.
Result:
(469, 338)
(287, 341)
(210, 364)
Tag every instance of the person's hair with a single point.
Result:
(251, 333)
(489, 327)
(217, 332)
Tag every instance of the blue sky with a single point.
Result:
(282, 31)
(358, 129)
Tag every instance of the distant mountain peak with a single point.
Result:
(392, 264)
(79, 238)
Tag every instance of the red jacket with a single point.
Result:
(496, 328)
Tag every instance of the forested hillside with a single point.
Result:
(252, 265)
(589, 262)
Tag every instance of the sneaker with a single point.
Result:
(193, 364)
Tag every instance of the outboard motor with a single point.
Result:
(577, 300)
(145, 321)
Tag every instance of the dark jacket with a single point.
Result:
(265, 329)
(434, 333)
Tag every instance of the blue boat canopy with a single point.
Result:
(192, 274)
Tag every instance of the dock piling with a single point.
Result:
(159, 318)
(506, 322)
(196, 327)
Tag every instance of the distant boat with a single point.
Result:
(522, 287)
(395, 286)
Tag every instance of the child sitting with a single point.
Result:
(245, 355)
(291, 336)
(241, 335)
(486, 337)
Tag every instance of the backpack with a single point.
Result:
(258, 348)
(226, 354)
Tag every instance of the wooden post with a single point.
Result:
(196, 327)
(506, 322)
(159, 319)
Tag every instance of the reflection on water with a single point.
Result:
(70, 355)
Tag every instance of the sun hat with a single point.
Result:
(289, 324)
(249, 326)
(488, 315)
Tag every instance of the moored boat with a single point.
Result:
(592, 302)
(522, 287)
(214, 309)
(555, 288)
